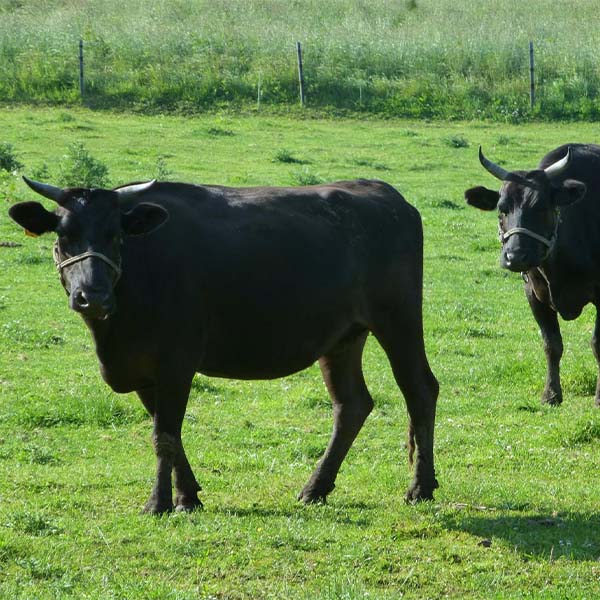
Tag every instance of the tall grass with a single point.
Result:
(426, 58)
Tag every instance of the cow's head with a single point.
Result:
(528, 205)
(90, 226)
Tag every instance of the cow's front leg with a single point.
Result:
(596, 349)
(167, 406)
(165, 448)
(547, 320)
(186, 486)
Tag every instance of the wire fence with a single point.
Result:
(535, 81)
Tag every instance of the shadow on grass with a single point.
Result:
(341, 513)
(573, 536)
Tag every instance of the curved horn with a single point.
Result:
(496, 170)
(136, 188)
(503, 174)
(48, 191)
(558, 168)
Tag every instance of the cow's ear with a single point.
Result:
(569, 192)
(33, 217)
(143, 218)
(482, 198)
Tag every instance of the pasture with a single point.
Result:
(516, 514)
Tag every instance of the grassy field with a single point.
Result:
(516, 514)
(425, 58)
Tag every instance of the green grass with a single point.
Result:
(516, 514)
(424, 58)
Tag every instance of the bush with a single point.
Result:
(8, 160)
(80, 169)
(286, 156)
(306, 177)
(457, 141)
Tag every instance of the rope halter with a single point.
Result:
(61, 264)
(503, 236)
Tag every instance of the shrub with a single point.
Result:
(306, 177)
(8, 160)
(457, 141)
(285, 156)
(80, 168)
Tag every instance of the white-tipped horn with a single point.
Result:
(136, 188)
(48, 191)
(558, 168)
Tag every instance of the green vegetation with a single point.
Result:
(8, 161)
(420, 58)
(79, 168)
(516, 515)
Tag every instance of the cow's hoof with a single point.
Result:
(314, 495)
(552, 398)
(188, 504)
(312, 498)
(418, 492)
(155, 507)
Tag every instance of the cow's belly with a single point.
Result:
(570, 300)
(272, 352)
(243, 369)
(570, 310)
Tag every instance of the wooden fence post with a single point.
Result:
(531, 76)
(259, 90)
(300, 73)
(81, 85)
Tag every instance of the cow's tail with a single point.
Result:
(411, 443)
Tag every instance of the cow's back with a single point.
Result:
(583, 166)
(243, 278)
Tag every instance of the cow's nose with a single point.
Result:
(80, 300)
(92, 304)
(515, 261)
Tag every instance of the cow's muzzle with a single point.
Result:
(94, 305)
(89, 302)
(520, 261)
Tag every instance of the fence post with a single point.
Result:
(259, 90)
(531, 76)
(300, 73)
(81, 85)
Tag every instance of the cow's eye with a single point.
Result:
(503, 209)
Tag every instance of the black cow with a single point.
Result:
(253, 283)
(550, 232)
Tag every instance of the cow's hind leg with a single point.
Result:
(400, 333)
(167, 410)
(547, 320)
(352, 403)
(596, 349)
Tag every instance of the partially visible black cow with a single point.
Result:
(550, 232)
(251, 283)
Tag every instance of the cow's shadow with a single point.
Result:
(575, 536)
(322, 512)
